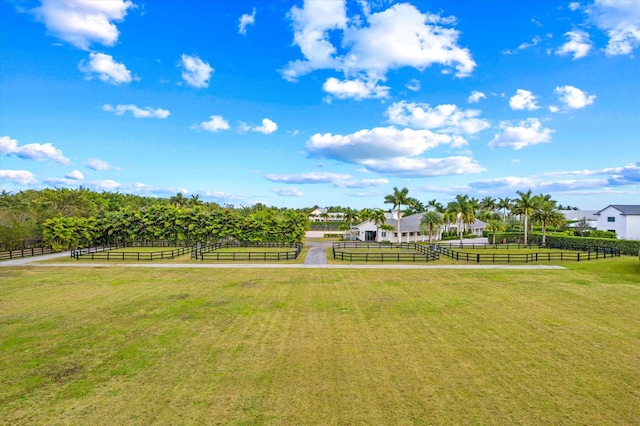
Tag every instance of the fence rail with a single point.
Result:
(25, 252)
(210, 252)
(596, 253)
(422, 253)
(105, 252)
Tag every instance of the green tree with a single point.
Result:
(524, 206)
(431, 222)
(504, 204)
(495, 226)
(546, 212)
(398, 199)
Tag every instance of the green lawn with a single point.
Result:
(319, 346)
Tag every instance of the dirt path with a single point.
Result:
(317, 254)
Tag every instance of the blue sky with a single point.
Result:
(298, 104)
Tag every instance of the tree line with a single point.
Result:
(70, 218)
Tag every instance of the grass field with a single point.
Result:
(347, 346)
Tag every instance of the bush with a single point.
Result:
(627, 247)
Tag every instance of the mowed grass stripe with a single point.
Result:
(320, 346)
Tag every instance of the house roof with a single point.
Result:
(625, 209)
(412, 223)
(579, 214)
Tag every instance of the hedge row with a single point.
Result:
(627, 247)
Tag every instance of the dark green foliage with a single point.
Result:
(627, 247)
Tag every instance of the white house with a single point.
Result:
(409, 227)
(588, 217)
(322, 215)
(623, 219)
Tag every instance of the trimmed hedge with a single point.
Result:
(627, 247)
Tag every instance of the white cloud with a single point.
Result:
(528, 132)
(106, 69)
(475, 97)
(309, 178)
(553, 108)
(32, 151)
(443, 118)
(246, 20)
(621, 22)
(391, 151)
(424, 167)
(338, 180)
(579, 44)
(573, 97)
(523, 99)
(146, 112)
(625, 175)
(378, 143)
(82, 23)
(363, 183)
(215, 123)
(356, 89)
(287, 192)
(196, 72)
(267, 127)
(19, 177)
(95, 164)
(523, 46)
(75, 175)
(413, 85)
(574, 5)
(311, 25)
(400, 36)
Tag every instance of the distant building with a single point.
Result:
(322, 215)
(587, 217)
(409, 228)
(623, 219)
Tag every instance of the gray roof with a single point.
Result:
(412, 223)
(579, 214)
(625, 209)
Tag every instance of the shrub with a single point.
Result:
(627, 247)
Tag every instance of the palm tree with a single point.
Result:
(431, 221)
(414, 206)
(524, 206)
(546, 212)
(436, 205)
(494, 226)
(398, 198)
(504, 204)
(349, 216)
(488, 203)
(378, 218)
(464, 210)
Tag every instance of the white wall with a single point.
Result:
(633, 228)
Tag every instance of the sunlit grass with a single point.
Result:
(237, 346)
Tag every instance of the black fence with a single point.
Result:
(210, 252)
(105, 252)
(421, 253)
(571, 255)
(25, 252)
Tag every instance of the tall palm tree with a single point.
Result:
(504, 204)
(523, 207)
(494, 226)
(431, 221)
(435, 205)
(378, 218)
(349, 216)
(398, 198)
(464, 209)
(546, 211)
(488, 203)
